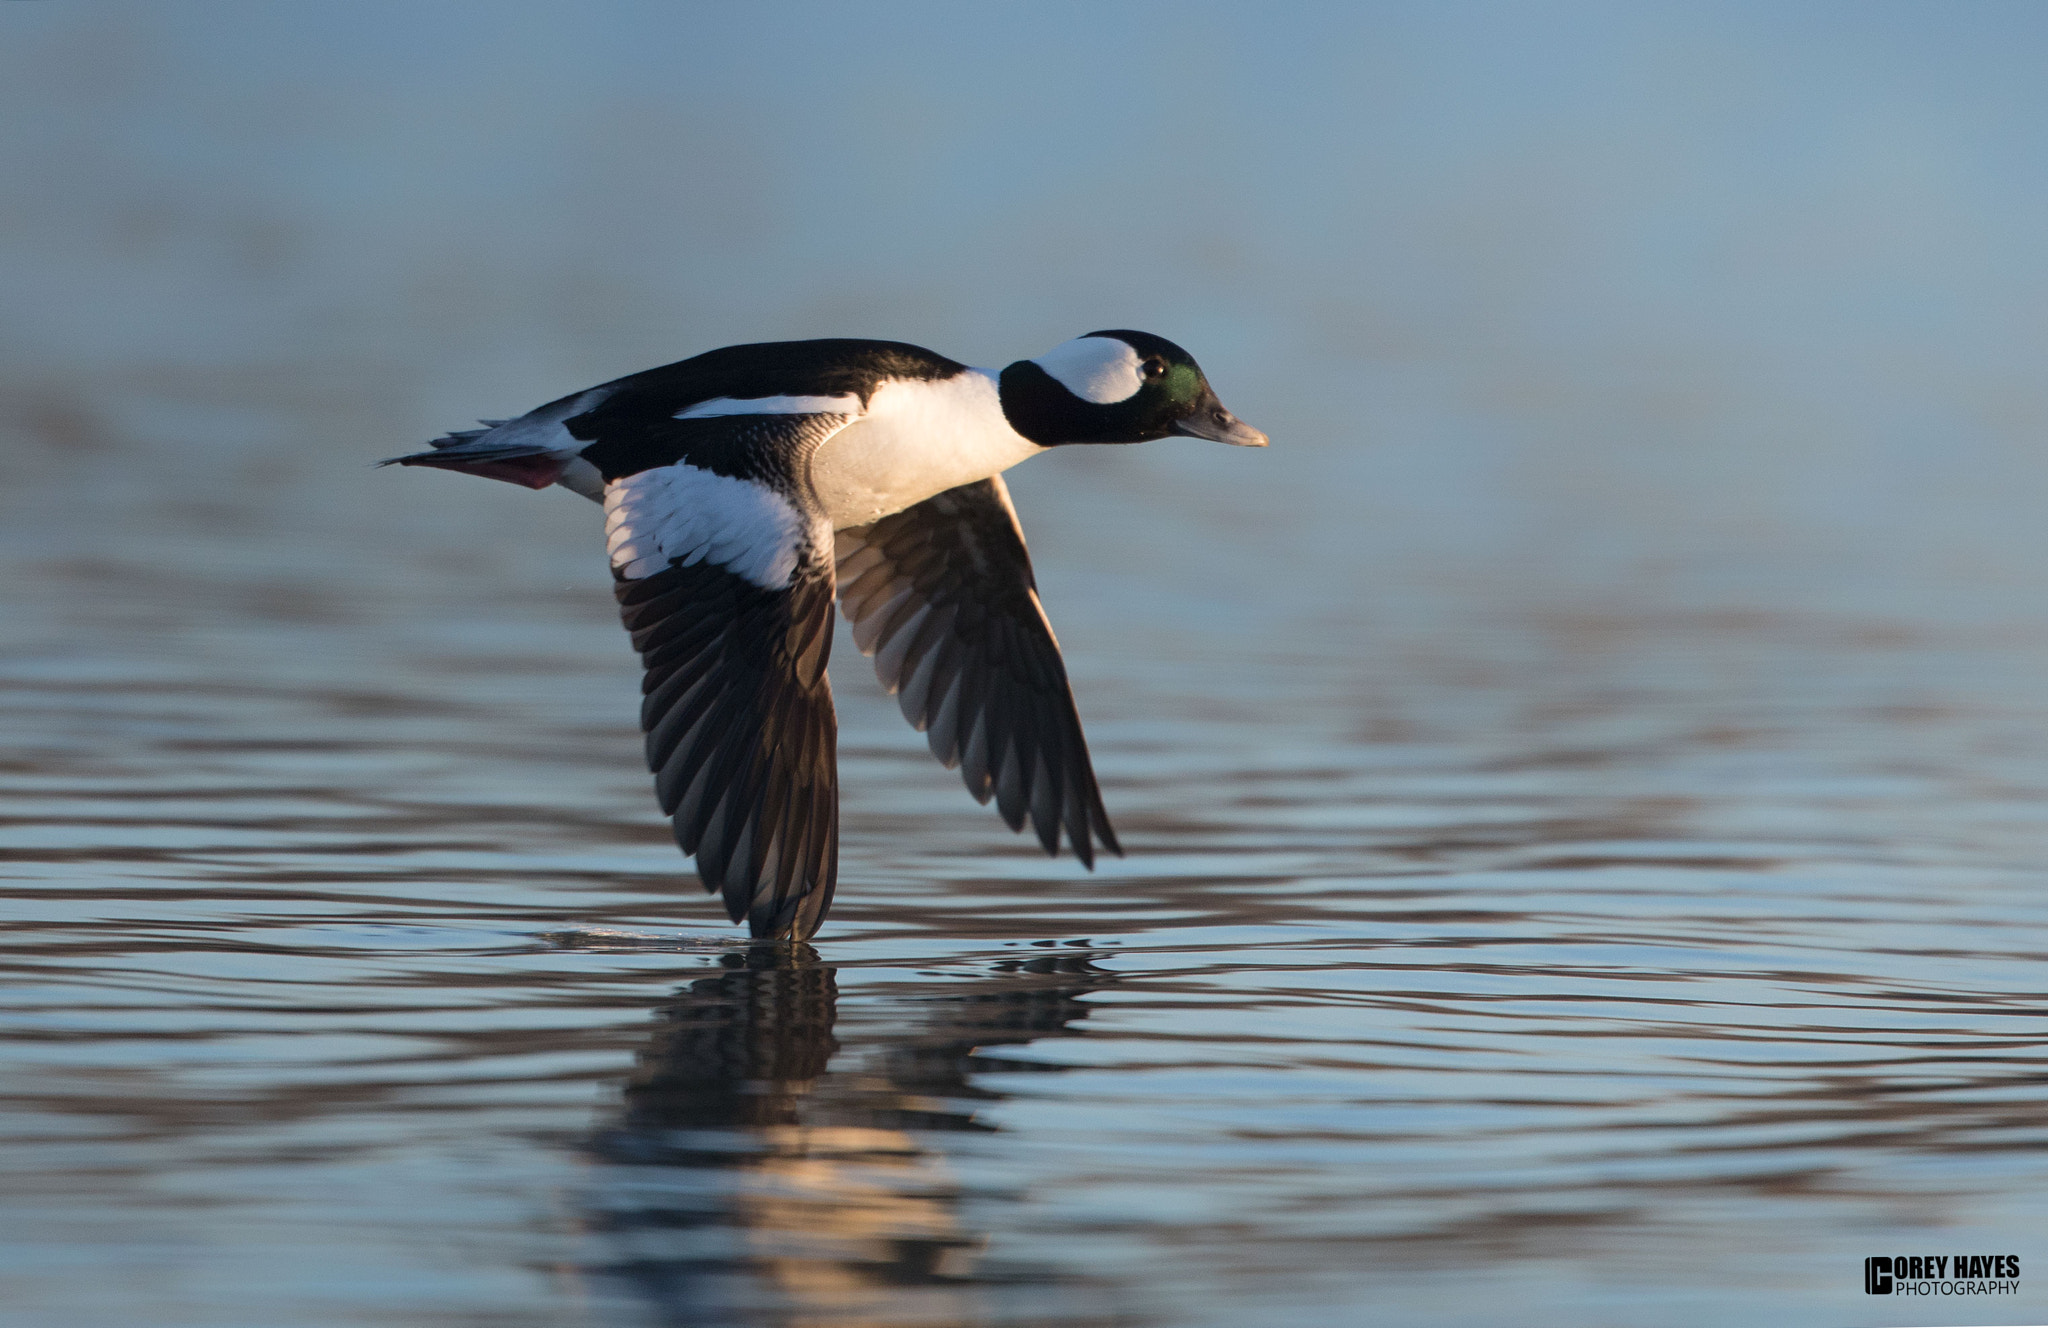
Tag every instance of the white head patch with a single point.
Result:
(1097, 369)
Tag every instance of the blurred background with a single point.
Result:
(1742, 303)
(1657, 418)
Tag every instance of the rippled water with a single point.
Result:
(1607, 964)
(1586, 786)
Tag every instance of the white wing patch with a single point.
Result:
(679, 513)
(840, 405)
(1097, 369)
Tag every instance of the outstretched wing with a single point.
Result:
(726, 584)
(941, 595)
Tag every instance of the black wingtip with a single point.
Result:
(1088, 859)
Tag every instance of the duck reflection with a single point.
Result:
(765, 1171)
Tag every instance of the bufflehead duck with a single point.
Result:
(744, 488)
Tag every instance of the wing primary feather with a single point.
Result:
(974, 760)
(681, 780)
(868, 630)
(1045, 805)
(677, 728)
(942, 734)
(942, 596)
(1103, 831)
(1075, 812)
(915, 699)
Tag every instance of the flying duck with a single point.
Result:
(746, 487)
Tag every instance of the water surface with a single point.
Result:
(1504, 955)
(1586, 786)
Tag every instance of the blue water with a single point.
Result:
(1586, 786)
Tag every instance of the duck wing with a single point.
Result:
(941, 594)
(725, 581)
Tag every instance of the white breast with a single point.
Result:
(917, 439)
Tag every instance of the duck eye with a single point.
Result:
(1155, 367)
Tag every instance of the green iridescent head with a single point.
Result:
(1117, 387)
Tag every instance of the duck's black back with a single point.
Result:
(828, 366)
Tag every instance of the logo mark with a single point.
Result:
(1941, 1275)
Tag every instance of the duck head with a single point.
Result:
(1117, 387)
